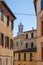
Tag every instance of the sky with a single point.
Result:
(23, 7)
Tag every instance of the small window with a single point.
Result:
(19, 57)
(16, 43)
(2, 14)
(11, 61)
(24, 56)
(2, 39)
(20, 42)
(26, 36)
(6, 61)
(32, 35)
(13, 54)
(12, 25)
(26, 45)
(8, 20)
(32, 44)
(6, 42)
(31, 57)
(11, 44)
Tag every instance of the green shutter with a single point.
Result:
(30, 56)
(20, 42)
(16, 43)
(24, 56)
(26, 36)
(19, 57)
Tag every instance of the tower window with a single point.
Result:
(2, 14)
(26, 36)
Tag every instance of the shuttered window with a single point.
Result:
(26, 36)
(8, 20)
(2, 14)
(19, 57)
(24, 56)
(6, 42)
(2, 39)
(11, 44)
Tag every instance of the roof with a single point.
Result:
(30, 30)
(4, 3)
(27, 50)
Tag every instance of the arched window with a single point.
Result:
(26, 45)
(41, 4)
(32, 44)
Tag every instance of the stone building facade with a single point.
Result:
(6, 34)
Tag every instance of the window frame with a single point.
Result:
(32, 35)
(26, 36)
(2, 14)
(18, 56)
(24, 56)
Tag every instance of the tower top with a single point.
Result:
(20, 29)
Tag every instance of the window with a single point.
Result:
(13, 54)
(18, 64)
(32, 44)
(12, 24)
(41, 4)
(41, 27)
(6, 61)
(24, 56)
(20, 42)
(26, 36)
(6, 42)
(0, 61)
(11, 61)
(11, 44)
(2, 39)
(31, 57)
(16, 43)
(26, 45)
(8, 20)
(2, 14)
(19, 57)
(32, 35)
